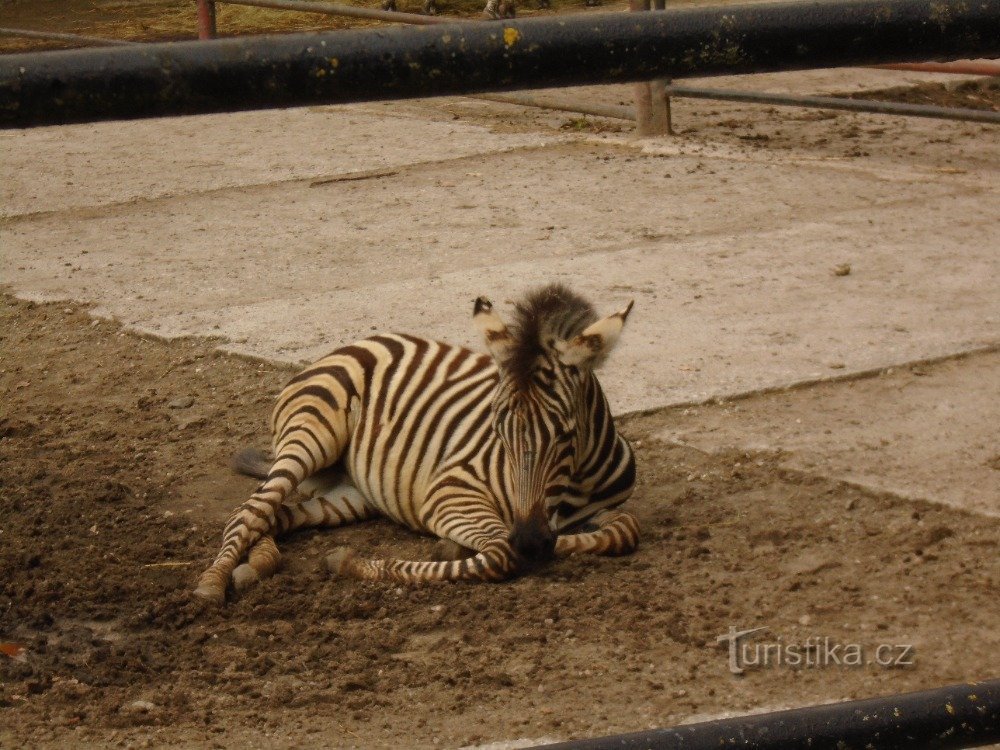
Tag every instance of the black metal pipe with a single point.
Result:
(364, 65)
(956, 716)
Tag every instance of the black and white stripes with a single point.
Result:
(505, 456)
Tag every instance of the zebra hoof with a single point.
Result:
(210, 595)
(245, 577)
(338, 560)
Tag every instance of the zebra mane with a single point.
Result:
(551, 312)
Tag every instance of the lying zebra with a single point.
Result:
(514, 458)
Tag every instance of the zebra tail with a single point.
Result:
(252, 462)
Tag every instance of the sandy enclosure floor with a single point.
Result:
(113, 470)
(115, 490)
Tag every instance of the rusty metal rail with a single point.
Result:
(335, 9)
(57, 37)
(227, 75)
(959, 67)
(837, 103)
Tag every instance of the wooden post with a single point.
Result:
(662, 123)
(652, 115)
(206, 19)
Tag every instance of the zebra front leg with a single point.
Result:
(496, 562)
(469, 521)
(617, 534)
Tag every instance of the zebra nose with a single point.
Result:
(534, 542)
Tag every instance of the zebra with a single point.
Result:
(511, 457)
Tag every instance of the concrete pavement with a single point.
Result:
(289, 233)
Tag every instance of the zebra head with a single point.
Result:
(543, 401)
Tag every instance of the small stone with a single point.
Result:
(851, 504)
(843, 269)
(805, 620)
(679, 693)
(139, 707)
(183, 402)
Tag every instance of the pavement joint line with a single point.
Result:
(319, 181)
(102, 209)
(803, 383)
(224, 345)
(870, 489)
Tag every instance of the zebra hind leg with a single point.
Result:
(334, 502)
(295, 459)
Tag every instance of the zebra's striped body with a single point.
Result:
(435, 437)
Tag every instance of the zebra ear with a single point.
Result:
(494, 331)
(592, 345)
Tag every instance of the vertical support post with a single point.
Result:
(662, 120)
(206, 19)
(651, 114)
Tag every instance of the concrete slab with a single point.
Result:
(239, 226)
(926, 432)
(289, 271)
(106, 163)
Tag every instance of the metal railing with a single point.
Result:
(957, 716)
(377, 64)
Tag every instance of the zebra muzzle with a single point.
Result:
(531, 537)
(533, 541)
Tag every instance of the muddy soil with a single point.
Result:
(115, 486)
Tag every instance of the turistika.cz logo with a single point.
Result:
(812, 653)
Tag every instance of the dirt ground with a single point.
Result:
(113, 464)
(114, 485)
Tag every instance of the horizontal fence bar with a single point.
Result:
(957, 716)
(612, 111)
(961, 67)
(623, 112)
(57, 37)
(835, 102)
(242, 73)
(334, 9)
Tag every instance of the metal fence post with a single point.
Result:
(206, 19)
